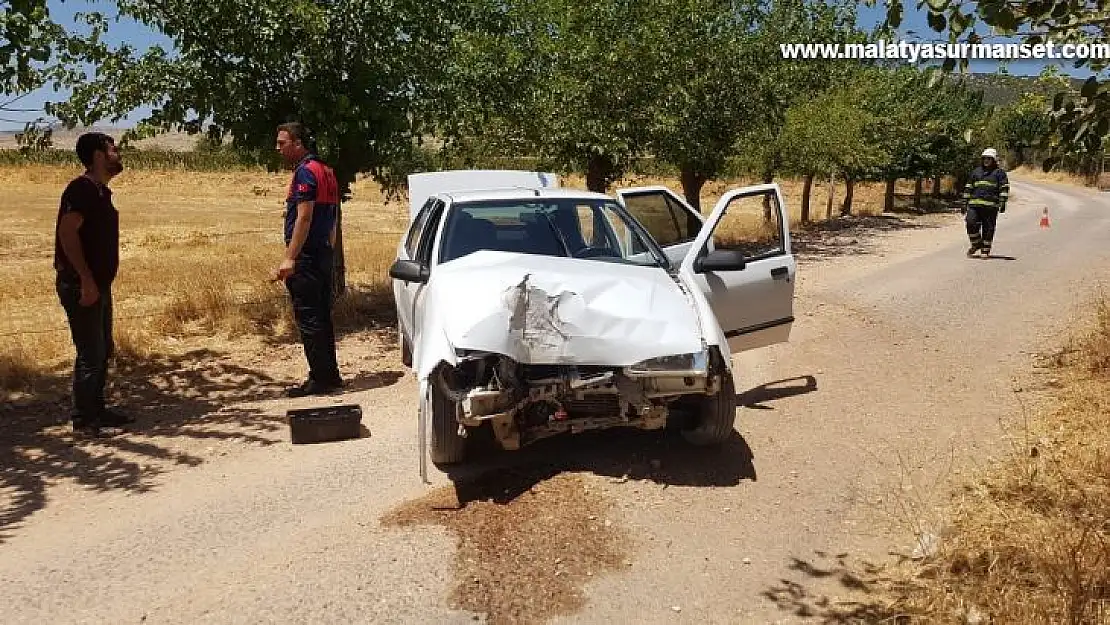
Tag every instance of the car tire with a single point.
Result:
(714, 422)
(447, 446)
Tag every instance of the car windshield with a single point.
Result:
(569, 227)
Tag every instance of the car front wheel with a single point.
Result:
(715, 419)
(447, 446)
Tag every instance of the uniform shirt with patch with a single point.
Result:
(987, 188)
(314, 182)
(99, 231)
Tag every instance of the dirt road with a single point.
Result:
(901, 373)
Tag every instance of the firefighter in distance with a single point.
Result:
(985, 197)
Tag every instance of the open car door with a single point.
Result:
(667, 217)
(741, 259)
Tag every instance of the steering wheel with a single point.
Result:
(593, 252)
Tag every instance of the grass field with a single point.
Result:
(196, 253)
(1029, 537)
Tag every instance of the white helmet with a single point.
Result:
(991, 153)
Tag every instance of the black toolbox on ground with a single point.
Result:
(325, 423)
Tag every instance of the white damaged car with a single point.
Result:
(536, 310)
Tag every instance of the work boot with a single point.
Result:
(312, 387)
(114, 418)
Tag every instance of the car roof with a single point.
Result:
(515, 193)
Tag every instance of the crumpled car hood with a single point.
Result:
(551, 310)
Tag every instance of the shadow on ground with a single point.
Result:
(833, 591)
(851, 235)
(622, 454)
(758, 397)
(199, 398)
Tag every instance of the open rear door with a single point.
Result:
(741, 259)
(667, 217)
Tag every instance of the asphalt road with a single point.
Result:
(900, 375)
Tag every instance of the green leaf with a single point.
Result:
(937, 21)
(1090, 87)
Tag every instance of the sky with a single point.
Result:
(914, 27)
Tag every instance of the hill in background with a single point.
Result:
(67, 139)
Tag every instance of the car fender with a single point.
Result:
(713, 335)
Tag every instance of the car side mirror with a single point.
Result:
(720, 260)
(408, 271)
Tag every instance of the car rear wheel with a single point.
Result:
(714, 421)
(447, 446)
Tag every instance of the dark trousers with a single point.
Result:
(91, 329)
(310, 287)
(981, 221)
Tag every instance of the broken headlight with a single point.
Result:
(690, 364)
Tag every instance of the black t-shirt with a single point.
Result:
(99, 231)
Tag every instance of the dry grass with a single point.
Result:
(1038, 175)
(196, 253)
(1030, 540)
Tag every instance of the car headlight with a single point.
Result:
(695, 363)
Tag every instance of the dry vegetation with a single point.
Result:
(1030, 539)
(197, 250)
(1059, 177)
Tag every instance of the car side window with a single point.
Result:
(428, 236)
(668, 222)
(752, 225)
(417, 227)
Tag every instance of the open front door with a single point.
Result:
(667, 217)
(743, 263)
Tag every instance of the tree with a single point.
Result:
(704, 102)
(238, 69)
(26, 36)
(784, 82)
(829, 136)
(570, 82)
(1080, 121)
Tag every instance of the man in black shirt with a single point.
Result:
(86, 258)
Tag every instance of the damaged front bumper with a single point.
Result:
(526, 403)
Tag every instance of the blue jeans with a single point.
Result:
(91, 329)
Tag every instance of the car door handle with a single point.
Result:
(780, 273)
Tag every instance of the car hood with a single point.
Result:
(552, 310)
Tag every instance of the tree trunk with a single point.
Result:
(849, 191)
(917, 184)
(339, 272)
(692, 183)
(598, 171)
(831, 191)
(888, 201)
(769, 177)
(959, 184)
(806, 191)
(936, 187)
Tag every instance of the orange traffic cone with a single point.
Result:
(1044, 218)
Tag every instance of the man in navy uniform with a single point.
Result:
(984, 199)
(311, 210)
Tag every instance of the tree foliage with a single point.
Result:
(1080, 121)
(355, 71)
(704, 101)
(26, 37)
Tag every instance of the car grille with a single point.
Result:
(593, 406)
